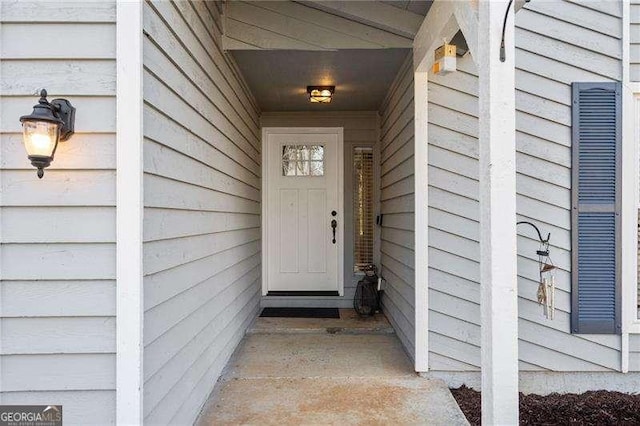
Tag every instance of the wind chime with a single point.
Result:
(547, 280)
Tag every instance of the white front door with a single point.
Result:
(302, 199)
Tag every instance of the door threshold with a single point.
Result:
(303, 293)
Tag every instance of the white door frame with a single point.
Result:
(339, 131)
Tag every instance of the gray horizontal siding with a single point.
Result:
(57, 257)
(201, 208)
(557, 43)
(360, 128)
(396, 202)
(634, 39)
(544, 187)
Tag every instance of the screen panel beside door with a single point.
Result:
(303, 187)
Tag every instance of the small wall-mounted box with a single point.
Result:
(444, 59)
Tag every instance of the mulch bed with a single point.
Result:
(589, 408)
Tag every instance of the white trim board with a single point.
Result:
(442, 21)
(438, 23)
(129, 212)
(630, 189)
(1, 267)
(628, 204)
(631, 322)
(339, 131)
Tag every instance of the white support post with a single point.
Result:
(421, 167)
(129, 311)
(498, 255)
(439, 23)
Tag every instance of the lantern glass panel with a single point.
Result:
(40, 137)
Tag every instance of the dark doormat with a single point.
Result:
(300, 313)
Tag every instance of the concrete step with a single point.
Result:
(326, 401)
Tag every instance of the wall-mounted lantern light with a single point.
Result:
(320, 94)
(49, 123)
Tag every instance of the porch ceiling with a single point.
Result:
(421, 7)
(278, 78)
(321, 24)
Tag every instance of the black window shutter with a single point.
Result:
(595, 199)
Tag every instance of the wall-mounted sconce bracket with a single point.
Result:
(67, 114)
(503, 54)
(542, 240)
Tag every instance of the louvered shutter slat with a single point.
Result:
(595, 208)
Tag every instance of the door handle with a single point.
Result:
(334, 225)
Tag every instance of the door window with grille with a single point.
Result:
(363, 206)
(303, 160)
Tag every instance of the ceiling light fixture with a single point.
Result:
(320, 94)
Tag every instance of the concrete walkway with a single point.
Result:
(291, 371)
